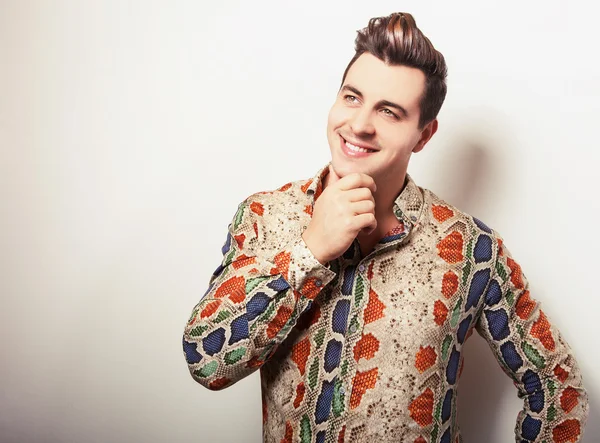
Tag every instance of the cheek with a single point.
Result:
(336, 117)
(398, 143)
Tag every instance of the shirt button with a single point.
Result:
(318, 283)
(353, 328)
(342, 390)
(361, 268)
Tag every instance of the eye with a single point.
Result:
(349, 98)
(390, 113)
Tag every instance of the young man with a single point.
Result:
(354, 291)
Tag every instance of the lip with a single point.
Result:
(353, 154)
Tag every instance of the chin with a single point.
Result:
(343, 167)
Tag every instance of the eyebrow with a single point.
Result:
(379, 103)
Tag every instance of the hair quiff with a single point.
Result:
(396, 40)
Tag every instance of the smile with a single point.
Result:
(354, 151)
(358, 148)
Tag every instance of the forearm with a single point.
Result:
(248, 311)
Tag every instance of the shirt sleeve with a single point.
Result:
(534, 354)
(253, 300)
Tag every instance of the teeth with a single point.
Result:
(357, 148)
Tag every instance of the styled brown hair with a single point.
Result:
(396, 40)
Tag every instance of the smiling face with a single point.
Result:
(377, 108)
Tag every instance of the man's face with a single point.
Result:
(365, 114)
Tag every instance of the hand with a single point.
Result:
(345, 207)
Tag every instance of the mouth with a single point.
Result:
(354, 149)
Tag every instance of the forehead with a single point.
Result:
(377, 81)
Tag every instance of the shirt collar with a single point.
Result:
(314, 186)
(408, 205)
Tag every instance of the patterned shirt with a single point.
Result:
(369, 348)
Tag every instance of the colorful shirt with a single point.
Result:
(368, 349)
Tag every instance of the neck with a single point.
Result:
(386, 196)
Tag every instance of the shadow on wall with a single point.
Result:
(591, 433)
(484, 395)
(468, 179)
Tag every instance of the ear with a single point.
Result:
(426, 134)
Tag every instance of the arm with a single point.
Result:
(534, 354)
(252, 302)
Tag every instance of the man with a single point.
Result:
(355, 291)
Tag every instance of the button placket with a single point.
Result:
(356, 310)
(353, 334)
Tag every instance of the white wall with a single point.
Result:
(130, 131)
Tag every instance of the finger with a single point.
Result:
(359, 194)
(366, 220)
(363, 206)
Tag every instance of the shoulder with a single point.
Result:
(278, 214)
(474, 235)
(288, 197)
(445, 213)
(270, 219)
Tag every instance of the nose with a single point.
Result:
(361, 122)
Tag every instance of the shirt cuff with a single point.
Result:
(301, 269)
